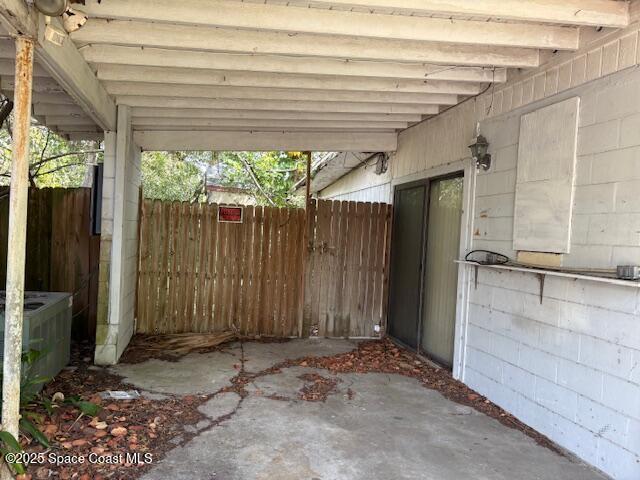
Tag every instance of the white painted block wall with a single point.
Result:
(569, 367)
(121, 184)
(131, 212)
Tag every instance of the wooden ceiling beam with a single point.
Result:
(157, 57)
(279, 18)
(168, 140)
(274, 105)
(185, 76)
(290, 94)
(597, 13)
(185, 37)
(201, 113)
(253, 124)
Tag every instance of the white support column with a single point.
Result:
(17, 237)
(118, 268)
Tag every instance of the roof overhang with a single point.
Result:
(305, 74)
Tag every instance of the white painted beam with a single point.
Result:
(201, 91)
(120, 32)
(274, 129)
(53, 98)
(8, 68)
(7, 49)
(40, 85)
(279, 18)
(37, 98)
(291, 106)
(61, 120)
(157, 57)
(17, 18)
(186, 76)
(600, 13)
(46, 109)
(201, 113)
(79, 136)
(71, 71)
(66, 129)
(266, 141)
(255, 124)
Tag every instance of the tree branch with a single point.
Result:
(61, 167)
(33, 175)
(68, 154)
(252, 174)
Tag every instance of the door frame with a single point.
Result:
(467, 166)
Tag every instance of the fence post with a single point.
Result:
(303, 330)
(17, 237)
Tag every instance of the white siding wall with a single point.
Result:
(362, 185)
(569, 367)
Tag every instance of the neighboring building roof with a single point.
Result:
(329, 168)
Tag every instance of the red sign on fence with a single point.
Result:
(230, 214)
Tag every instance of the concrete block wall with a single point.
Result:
(130, 248)
(606, 219)
(568, 367)
(119, 242)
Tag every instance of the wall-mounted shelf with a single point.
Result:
(555, 273)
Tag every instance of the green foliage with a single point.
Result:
(268, 176)
(172, 176)
(9, 444)
(28, 427)
(53, 161)
(180, 176)
(86, 408)
(29, 400)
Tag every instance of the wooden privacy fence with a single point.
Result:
(62, 253)
(346, 279)
(200, 275)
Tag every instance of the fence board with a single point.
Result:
(199, 275)
(59, 254)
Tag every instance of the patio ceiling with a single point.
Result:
(52, 105)
(315, 74)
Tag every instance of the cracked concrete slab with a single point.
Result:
(193, 374)
(286, 384)
(389, 427)
(221, 405)
(260, 356)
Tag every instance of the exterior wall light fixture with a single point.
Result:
(479, 151)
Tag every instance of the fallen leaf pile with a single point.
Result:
(383, 356)
(317, 388)
(142, 426)
(153, 427)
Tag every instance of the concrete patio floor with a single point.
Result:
(373, 426)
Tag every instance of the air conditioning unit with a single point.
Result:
(46, 328)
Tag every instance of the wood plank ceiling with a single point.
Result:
(311, 66)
